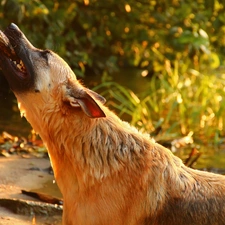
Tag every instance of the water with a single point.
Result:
(50, 188)
(212, 158)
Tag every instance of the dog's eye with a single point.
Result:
(45, 54)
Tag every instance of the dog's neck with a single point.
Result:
(94, 148)
(85, 151)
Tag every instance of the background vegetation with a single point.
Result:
(176, 46)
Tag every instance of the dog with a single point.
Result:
(108, 171)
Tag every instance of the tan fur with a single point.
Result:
(107, 171)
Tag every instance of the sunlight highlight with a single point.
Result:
(86, 2)
(144, 73)
(127, 8)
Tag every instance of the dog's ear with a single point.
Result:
(97, 96)
(82, 97)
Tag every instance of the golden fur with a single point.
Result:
(107, 171)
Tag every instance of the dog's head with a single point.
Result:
(41, 77)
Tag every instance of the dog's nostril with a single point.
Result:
(37, 91)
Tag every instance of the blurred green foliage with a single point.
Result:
(179, 44)
(174, 106)
(96, 36)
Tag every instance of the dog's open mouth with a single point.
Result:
(15, 58)
(13, 63)
(10, 58)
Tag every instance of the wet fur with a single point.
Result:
(107, 171)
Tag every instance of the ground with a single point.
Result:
(17, 173)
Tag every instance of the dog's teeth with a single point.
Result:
(19, 65)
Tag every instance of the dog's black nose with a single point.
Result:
(13, 26)
(13, 31)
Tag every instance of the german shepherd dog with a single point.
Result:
(107, 171)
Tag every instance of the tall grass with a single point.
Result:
(173, 105)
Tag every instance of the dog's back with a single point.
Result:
(124, 177)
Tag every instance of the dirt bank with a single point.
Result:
(17, 173)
